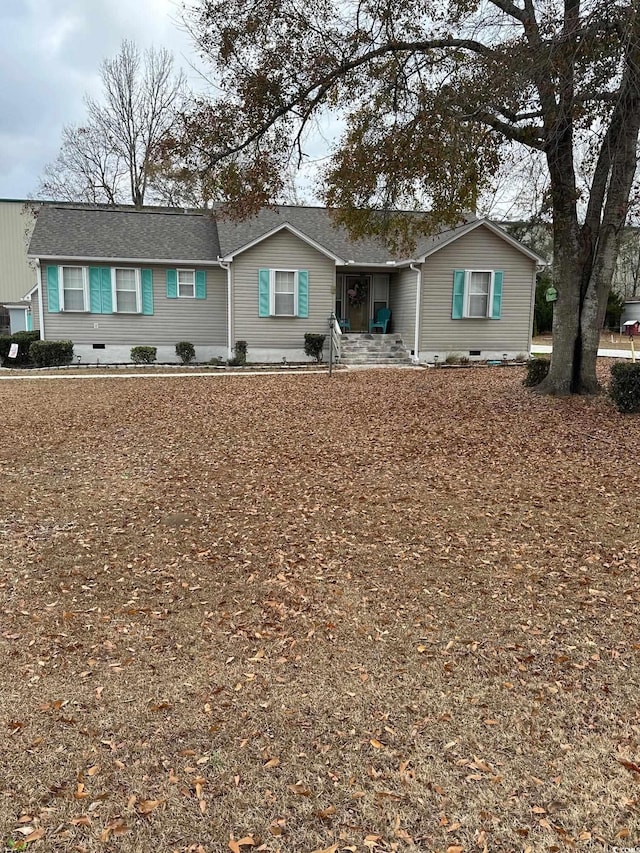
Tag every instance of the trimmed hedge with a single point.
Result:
(537, 369)
(51, 353)
(185, 351)
(24, 341)
(239, 354)
(625, 387)
(313, 345)
(143, 355)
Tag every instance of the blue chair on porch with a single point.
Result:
(383, 315)
(345, 324)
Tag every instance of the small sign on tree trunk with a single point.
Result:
(551, 294)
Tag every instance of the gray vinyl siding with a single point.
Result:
(281, 251)
(481, 249)
(402, 301)
(203, 322)
(35, 311)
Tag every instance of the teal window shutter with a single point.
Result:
(147, 290)
(29, 322)
(457, 308)
(106, 296)
(53, 290)
(264, 279)
(95, 290)
(303, 293)
(201, 284)
(172, 284)
(496, 306)
(100, 300)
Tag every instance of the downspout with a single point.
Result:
(40, 301)
(227, 266)
(416, 340)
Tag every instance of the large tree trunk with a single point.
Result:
(584, 258)
(567, 274)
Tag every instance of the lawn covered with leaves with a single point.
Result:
(390, 610)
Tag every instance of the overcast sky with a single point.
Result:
(50, 53)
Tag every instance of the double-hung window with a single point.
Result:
(283, 293)
(99, 290)
(74, 288)
(477, 294)
(187, 283)
(126, 286)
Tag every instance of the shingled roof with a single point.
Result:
(99, 233)
(176, 236)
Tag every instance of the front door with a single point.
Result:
(357, 301)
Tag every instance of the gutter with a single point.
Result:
(416, 339)
(88, 259)
(225, 265)
(40, 300)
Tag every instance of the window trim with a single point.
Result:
(114, 290)
(85, 288)
(193, 273)
(467, 295)
(272, 292)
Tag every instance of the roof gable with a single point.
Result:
(439, 241)
(285, 226)
(315, 225)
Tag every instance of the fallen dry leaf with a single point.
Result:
(145, 807)
(301, 789)
(236, 846)
(115, 827)
(36, 835)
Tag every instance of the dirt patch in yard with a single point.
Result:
(386, 611)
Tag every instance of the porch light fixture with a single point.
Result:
(435, 361)
(504, 357)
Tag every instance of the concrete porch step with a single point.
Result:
(369, 359)
(365, 348)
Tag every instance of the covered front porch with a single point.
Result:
(360, 294)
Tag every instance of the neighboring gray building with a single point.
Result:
(113, 278)
(17, 273)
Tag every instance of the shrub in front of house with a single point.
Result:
(625, 387)
(51, 353)
(186, 352)
(5, 343)
(143, 355)
(24, 341)
(537, 369)
(239, 354)
(313, 345)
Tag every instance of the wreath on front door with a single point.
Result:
(358, 293)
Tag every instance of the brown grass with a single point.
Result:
(386, 611)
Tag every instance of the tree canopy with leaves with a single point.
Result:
(114, 157)
(433, 97)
